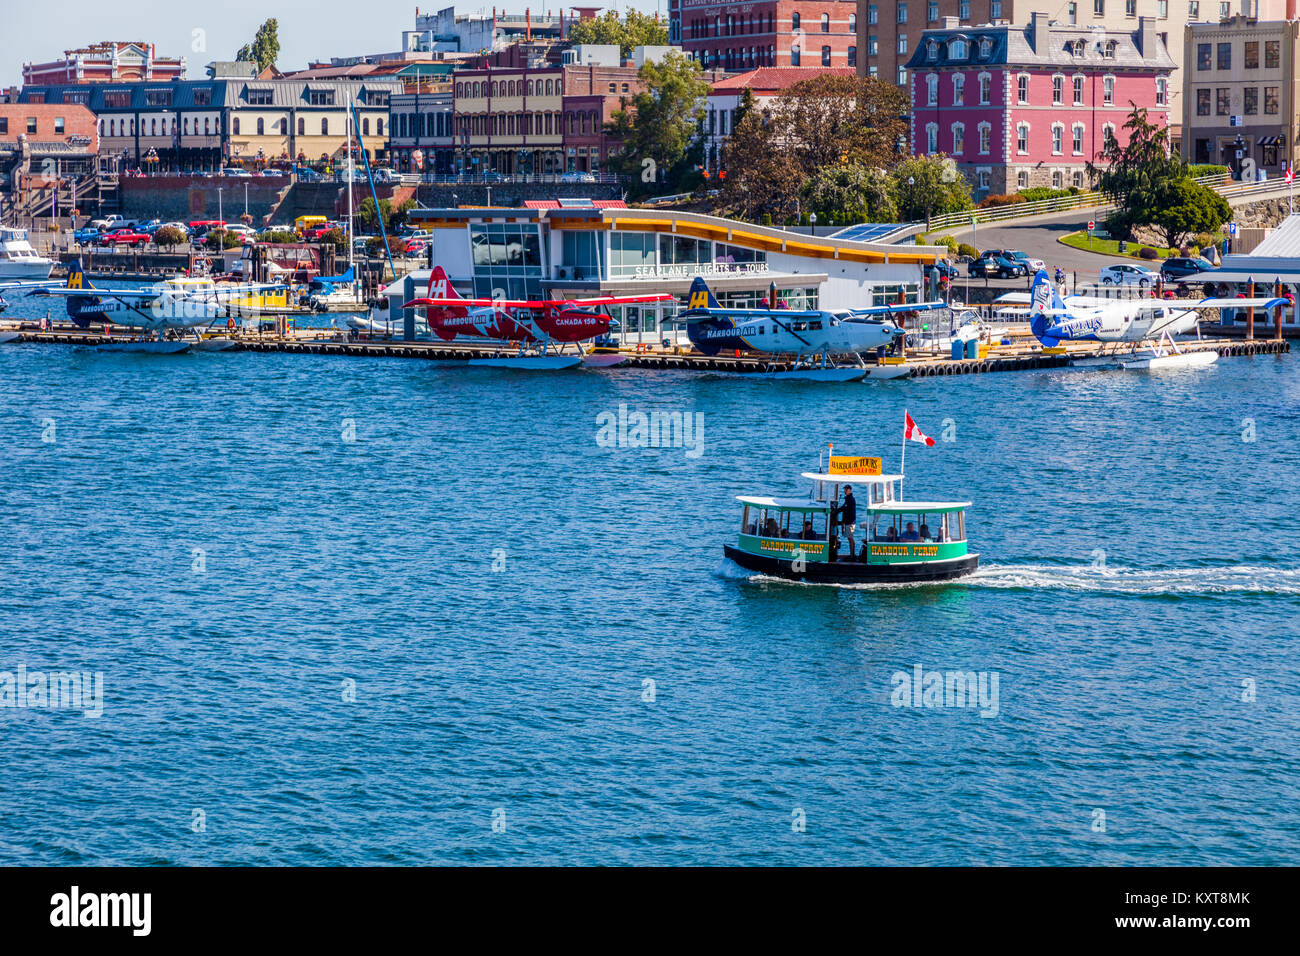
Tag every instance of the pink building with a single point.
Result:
(1023, 106)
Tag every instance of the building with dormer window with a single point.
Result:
(1024, 106)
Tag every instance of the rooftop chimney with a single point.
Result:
(951, 23)
(1038, 32)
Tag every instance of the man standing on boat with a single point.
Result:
(848, 516)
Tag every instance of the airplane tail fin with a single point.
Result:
(701, 295)
(76, 304)
(77, 276)
(440, 286)
(1042, 296)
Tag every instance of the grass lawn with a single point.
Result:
(1110, 247)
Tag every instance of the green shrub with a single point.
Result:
(1037, 193)
(767, 219)
(1146, 252)
(169, 236)
(948, 242)
(1206, 169)
(966, 249)
(279, 236)
(1204, 239)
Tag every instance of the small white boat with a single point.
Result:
(529, 363)
(213, 345)
(147, 346)
(604, 358)
(882, 373)
(8, 336)
(18, 260)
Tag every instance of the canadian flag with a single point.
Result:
(1290, 174)
(912, 433)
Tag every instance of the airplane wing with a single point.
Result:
(899, 307)
(618, 299)
(143, 295)
(16, 286)
(1217, 303)
(1013, 298)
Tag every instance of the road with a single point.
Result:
(1038, 237)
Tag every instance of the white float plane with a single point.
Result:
(813, 336)
(13, 335)
(180, 303)
(1146, 326)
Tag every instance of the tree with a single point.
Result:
(265, 48)
(169, 236)
(636, 29)
(926, 186)
(394, 216)
(1136, 177)
(658, 128)
(850, 192)
(1186, 208)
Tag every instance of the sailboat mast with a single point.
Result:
(351, 241)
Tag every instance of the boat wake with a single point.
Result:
(1233, 579)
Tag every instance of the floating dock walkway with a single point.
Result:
(1020, 356)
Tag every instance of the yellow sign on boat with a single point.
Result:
(848, 465)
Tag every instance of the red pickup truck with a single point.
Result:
(126, 237)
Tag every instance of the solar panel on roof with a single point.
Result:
(865, 231)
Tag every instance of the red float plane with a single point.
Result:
(540, 322)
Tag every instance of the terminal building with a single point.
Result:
(579, 248)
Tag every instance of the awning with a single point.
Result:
(1270, 141)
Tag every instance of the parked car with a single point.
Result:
(235, 171)
(415, 247)
(183, 229)
(1031, 265)
(152, 226)
(1180, 267)
(577, 177)
(315, 232)
(944, 269)
(1128, 275)
(491, 176)
(86, 236)
(993, 263)
(127, 237)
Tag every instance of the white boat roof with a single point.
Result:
(907, 507)
(802, 504)
(853, 479)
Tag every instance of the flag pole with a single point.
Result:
(902, 458)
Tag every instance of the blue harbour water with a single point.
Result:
(495, 590)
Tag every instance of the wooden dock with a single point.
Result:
(1022, 355)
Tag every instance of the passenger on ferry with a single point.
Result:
(891, 534)
(925, 533)
(808, 534)
(848, 515)
(910, 534)
(771, 529)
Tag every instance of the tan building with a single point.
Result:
(1240, 88)
(889, 30)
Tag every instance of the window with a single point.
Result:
(235, 126)
(995, 9)
(302, 126)
(1130, 8)
(958, 138)
(853, 23)
(964, 12)
(1162, 91)
(957, 50)
(826, 56)
(1250, 55)
(985, 136)
(853, 56)
(320, 97)
(985, 84)
(1022, 89)
(1099, 7)
(1270, 100)
(932, 137)
(58, 126)
(203, 97)
(1076, 179)
(794, 21)
(1022, 180)
(324, 126)
(1225, 10)
(902, 43)
(1202, 56)
(958, 90)
(259, 97)
(794, 55)
(1271, 55)
(871, 45)
(932, 11)
(902, 76)
(261, 126)
(984, 179)
(1162, 9)
(873, 15)
(31, 126)
(1202, 102)
(1057, 179)
(1224, 56)
(1194, 10)
(117, 99)
(986, 47)
(1222, 102)
(826, 23)
(932, 91)
(1058, 137)
(1022, 138)
(157, 97)
(1108, 90)
(902, 13)
(1058, 83)
(1076, 139)
(1250, 100)
(1072, 12)
(1078, 91)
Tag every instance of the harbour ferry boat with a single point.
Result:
(896, 541)
(18, 260)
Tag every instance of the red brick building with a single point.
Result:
(108, 62)
(744, 36)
